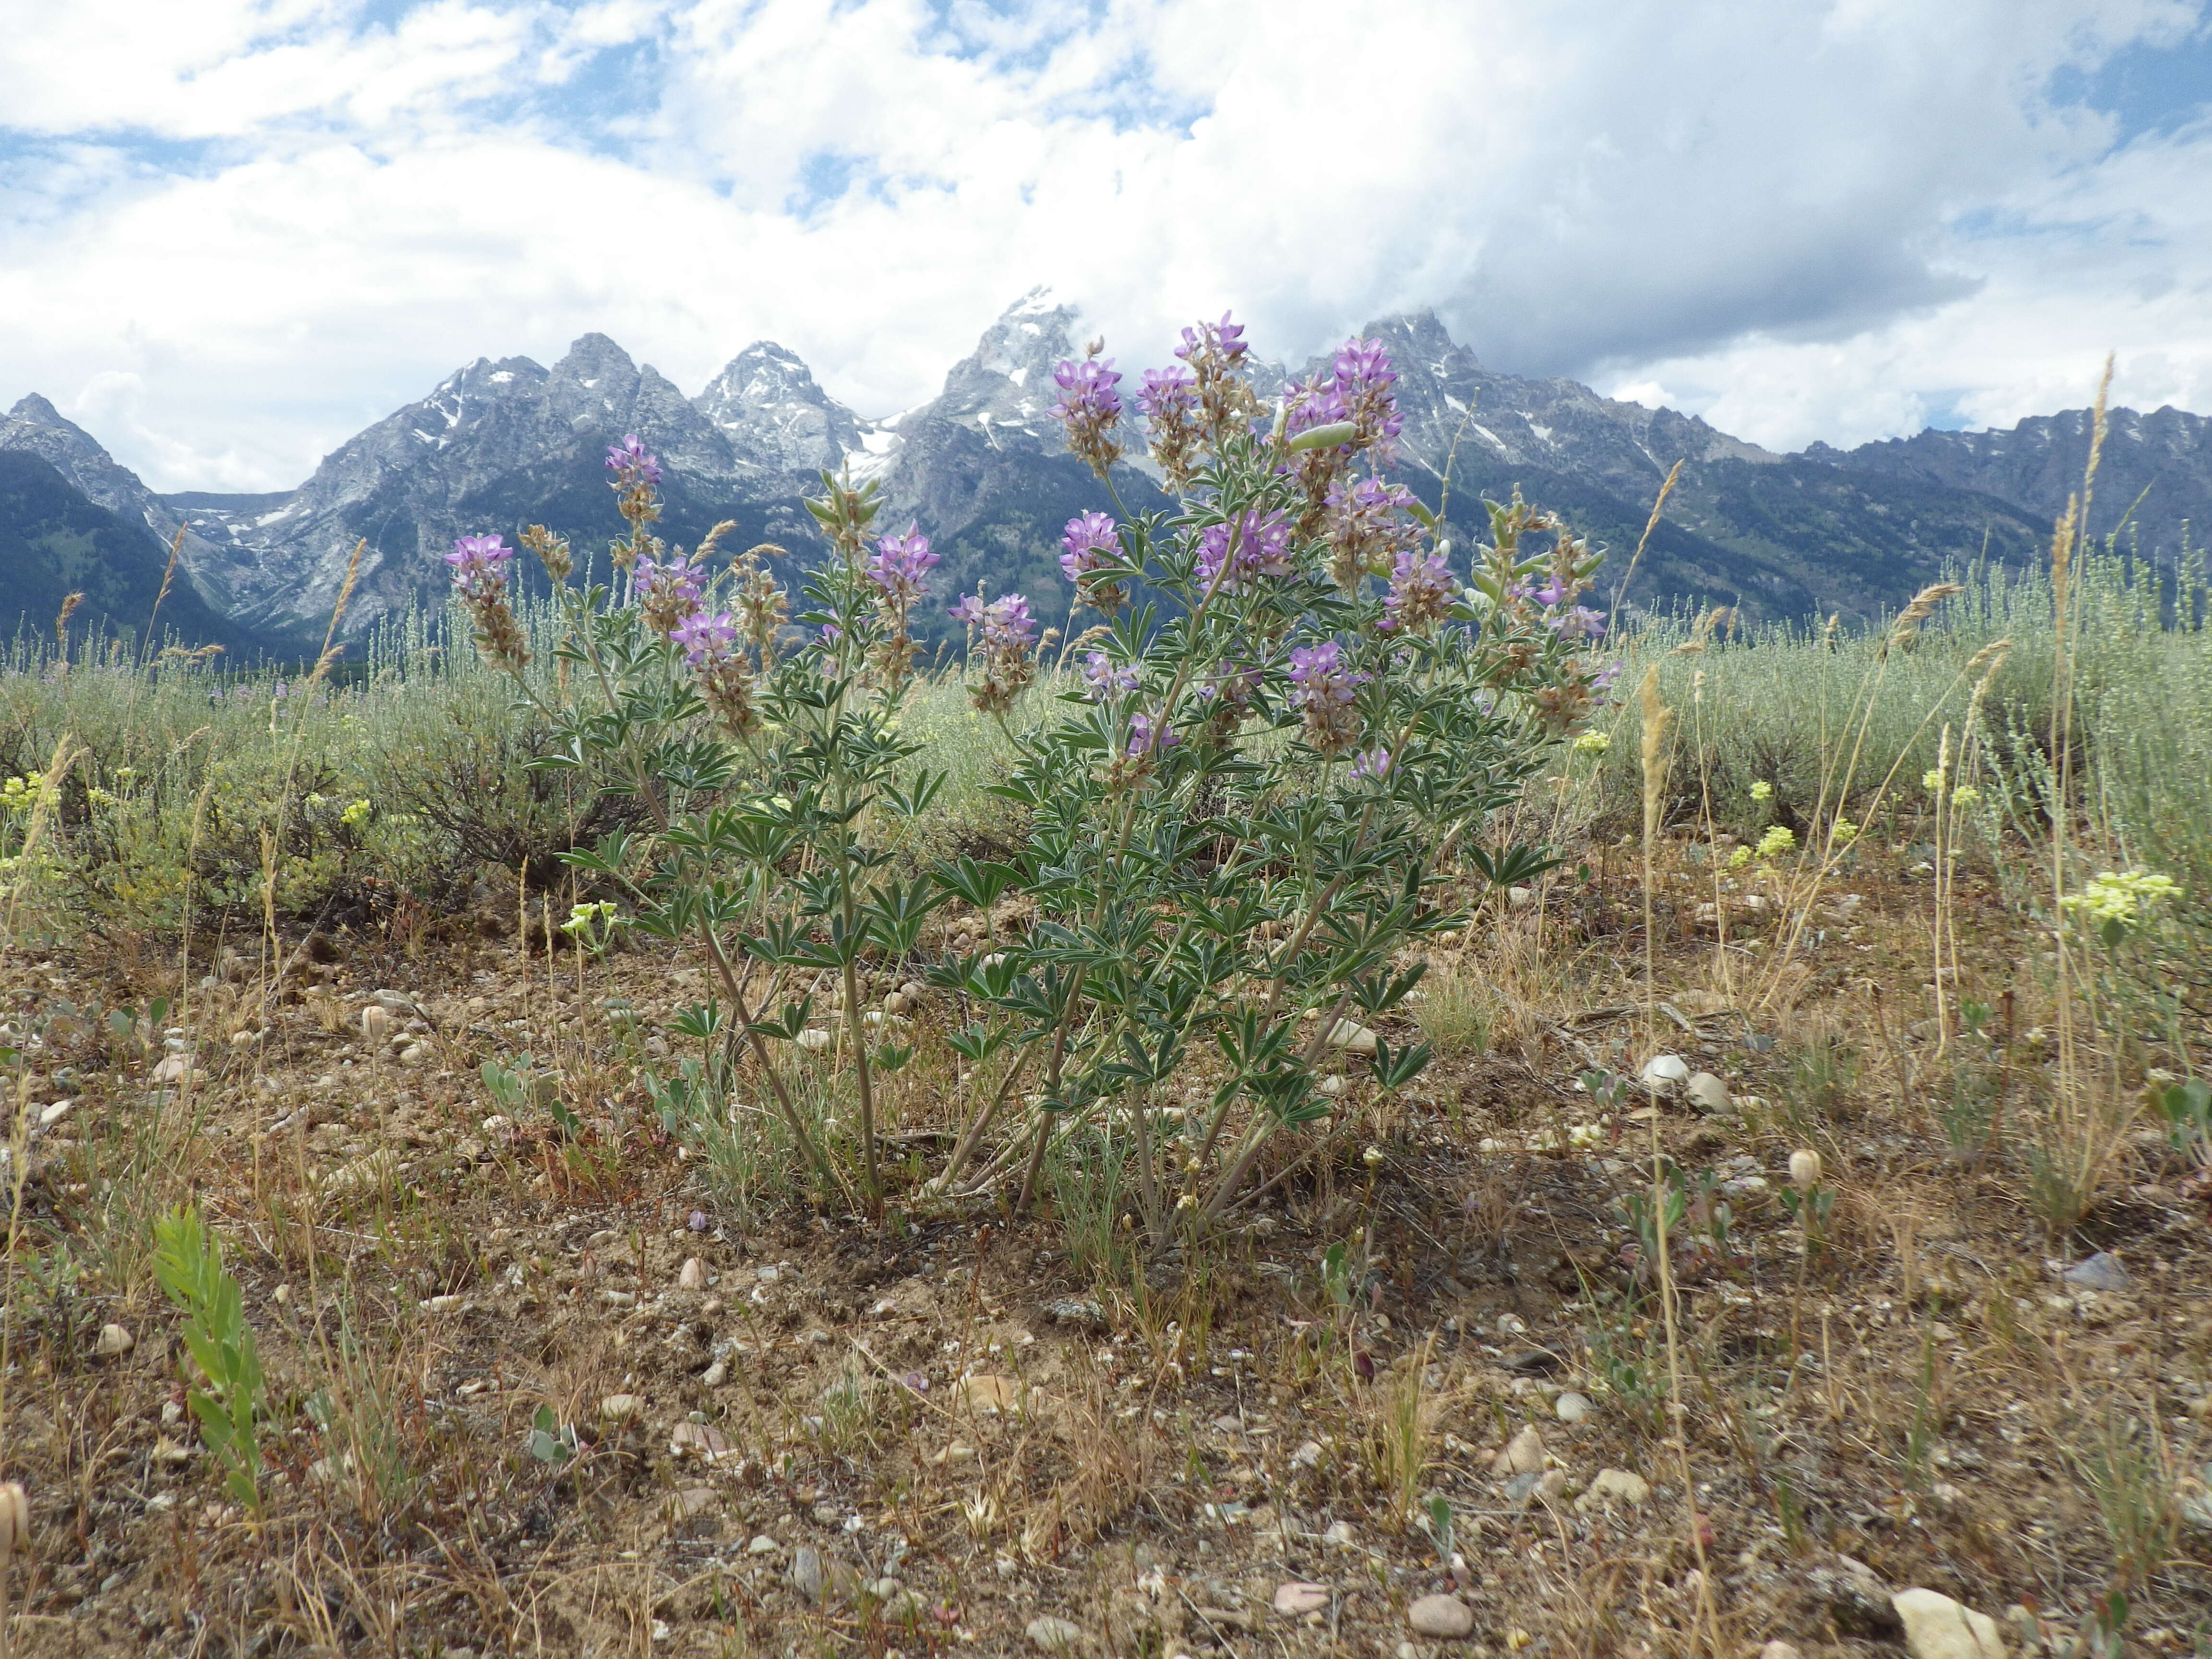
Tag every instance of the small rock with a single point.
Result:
(1523, 1455)
(114, 1342)
(692, 1502)
(1520, 1487)
(985, 1393)
(55, 1113)
(1936, 1627)
(1082, 1313)
(807, 1577)
(1445, 1617)
(1049, 1635)
(395, 1002)
(2101, 1272)
(173, 1068)
(1572, 1408)
(696, 1440)
(1352, 1037)
(1307, 1456)
(1339, 1534)
(1615, 1486)
(762, 1545)
(693, 1275)
(1778, 1650)
(441, 1305)
(1855, 1599)
(715, 1375)
(413, 1055)
(1297, 1598)
(1663, 1074)
(1329, 1087)
(1709, 1094)
(621, 1407)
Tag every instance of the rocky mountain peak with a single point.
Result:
(768, 404)
(1004, 386)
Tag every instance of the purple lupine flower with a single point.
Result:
(1090, 408)
(1150, 736)
(1087, 390)
(967, 610)
(1420, 591)
(1309, 404)
(1104, 678)
(1367, 527)
(668, 591)
(1225, 337)
(1372, 763)
(1572, 627)
(703, 639)
(479, 564)
(899, 563)
(1324, 690)
(1091, 541)
(1230, 555)
(1168, 392)
(1555, 590)
(1007, 623)
(1363, 378)
(631, 463)
(1602, 681)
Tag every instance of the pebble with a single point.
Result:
(1307, 1456)
(693, 1277)
(806, 1573)
(1049, 1635)
(1779, 1651)
(1709, 1094)
(1442, 1616)
(1624, 1485)
(1083, 1313)
(1299, 1597)
(1523, 1455)
(621, 1407)
(762, 1545)
(1662, 1073)
(1339, 1533)
(1937, 1628)
(413, 1055)
(2101, 1272)
(114, 1342)
(1352, 1037)
(1572, 1408)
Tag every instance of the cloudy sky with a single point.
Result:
(234, 232)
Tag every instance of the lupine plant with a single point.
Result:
(1236, 831)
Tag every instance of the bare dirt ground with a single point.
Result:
(535, 1390)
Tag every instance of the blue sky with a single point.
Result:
(234, 232)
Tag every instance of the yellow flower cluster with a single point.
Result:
(2121, 896)
(355, 815)
(1762, 790)
(1593, 742)
(20, 794)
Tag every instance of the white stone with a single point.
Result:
(1937, 1628)
(1709, 1094)
(693, 1275)
(1351, 1037)
(1572, 1408)
(1624, 1485)
(114, 1342)
(1446, 1617)
(1662, 1073)
(1298, 1597)
(621, 1407)
(1523, 1455)
(1049, 1635)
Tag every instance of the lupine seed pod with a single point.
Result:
(1805, 1168)
(14, 1520)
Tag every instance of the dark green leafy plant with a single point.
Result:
(188, 1265)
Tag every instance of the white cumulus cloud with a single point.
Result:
(233, 234)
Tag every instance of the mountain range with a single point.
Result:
(981, 467)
